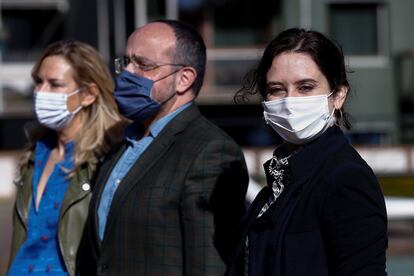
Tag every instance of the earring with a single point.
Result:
(338, 120)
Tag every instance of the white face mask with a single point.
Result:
(51, 109)
(299, 120)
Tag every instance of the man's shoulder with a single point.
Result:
(203, 127)
(192, 122)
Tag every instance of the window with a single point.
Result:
(235, 23)
(235, 31)
(27, 27)
(359, 28)
(244, 23)
(27, 32)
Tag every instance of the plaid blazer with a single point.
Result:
(175, 211)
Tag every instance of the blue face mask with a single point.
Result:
(133, 97)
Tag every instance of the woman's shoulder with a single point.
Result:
(348, 172)
(348, 161)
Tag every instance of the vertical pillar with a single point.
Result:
(103, 29)
(306, 13)
(141, 17)
(120, 26)
(172, 9)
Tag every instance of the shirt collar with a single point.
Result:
(156, 127)
(136, 129)
(46, 144)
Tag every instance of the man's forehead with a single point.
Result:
(156, 37)
(156, 27)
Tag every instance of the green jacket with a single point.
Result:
(72, 217)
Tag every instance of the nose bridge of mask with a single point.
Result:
(293, 106)
(127, 80)
(57, 99)
(296, 99)
(60, 96)
(292, 126)
(45, 99)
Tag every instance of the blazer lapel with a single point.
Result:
(307, 161)
(148, 159)
(75, 190)
(24, 197)
(104, 173)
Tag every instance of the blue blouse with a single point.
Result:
(40, 253)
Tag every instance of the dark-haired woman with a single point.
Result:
(322, 211)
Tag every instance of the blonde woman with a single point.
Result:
(79, 123)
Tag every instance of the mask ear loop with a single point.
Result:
(170, 74)
(337, 120)
(76, 91)
(79, 107)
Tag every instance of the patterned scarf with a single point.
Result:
(279, 171)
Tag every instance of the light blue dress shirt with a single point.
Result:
(130, 156)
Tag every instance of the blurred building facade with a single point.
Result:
(375, 36)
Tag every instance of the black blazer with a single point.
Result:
(330, 220)
(175, 211)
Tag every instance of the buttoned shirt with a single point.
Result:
(135, 148)
(40, 253)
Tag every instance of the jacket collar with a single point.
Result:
(79, 187)
(24, 194)
(310, 156)
(303, 165)
(76, 190)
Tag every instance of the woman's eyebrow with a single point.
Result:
(274, 83)
(306, 81)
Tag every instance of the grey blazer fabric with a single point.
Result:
(176, 210)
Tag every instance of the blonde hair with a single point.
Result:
(102, 125)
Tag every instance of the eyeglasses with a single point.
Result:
(141, 63)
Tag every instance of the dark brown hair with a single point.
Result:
(327, 55)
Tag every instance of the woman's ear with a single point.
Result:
(186, 79)
(90, 94)
(340, 97)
